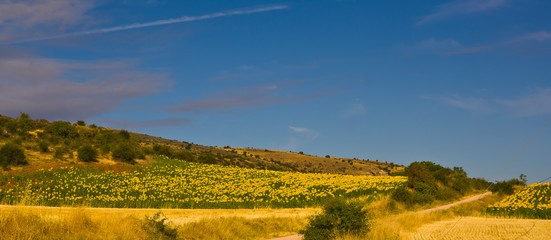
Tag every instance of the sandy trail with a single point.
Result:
(444, 207)
(439, 208)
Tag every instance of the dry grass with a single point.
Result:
(29, 222)
(242, 228)
(485, 228)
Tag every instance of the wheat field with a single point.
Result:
(473, 228)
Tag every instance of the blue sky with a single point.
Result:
(459, 83)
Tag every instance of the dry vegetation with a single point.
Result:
(26, 222)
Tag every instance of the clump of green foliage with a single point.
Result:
(338, 218)
(158, 226)
(428, 181)
(87, 153)
(12, 154)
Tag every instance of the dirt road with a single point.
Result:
(439, 208)
(444, 207)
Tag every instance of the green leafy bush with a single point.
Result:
(338, 217)
(125, 152)
(158, 226)
(87, 153)
(12, 154)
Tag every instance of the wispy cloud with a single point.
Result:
(532, 104)
(433, 46)
(301, 136)
(356, 109)
(539, 36)
(477, 105)
(131, 124)
(461, 7)
(159, 23)
(247, 96)
(299, 130)
(538, 103)
(22, 18)
(41, 86)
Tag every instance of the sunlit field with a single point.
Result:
(168, 183)
(533, 201)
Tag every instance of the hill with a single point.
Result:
(41, 143)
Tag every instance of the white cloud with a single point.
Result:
(70, 90)
(538, 103)
(300, 136)
(299, 130)
(159, 23)
(461, 7)
(356, 109)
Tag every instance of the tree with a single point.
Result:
(338, 217)
(87, 153)
(124, 134)
(81, 123)
(63, 129)
(12, 154)
(124, 152)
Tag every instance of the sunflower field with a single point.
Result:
(534, 201)
(169, 183)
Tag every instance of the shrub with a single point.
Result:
(43, 146)
(124, 152)
(87, 153)
(185, 155)
(124, 134)
(338, 217)
(162, 150)
(208, 158)
(158, 225)
(63, 129)
(12, 154)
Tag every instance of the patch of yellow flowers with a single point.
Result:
(172, 183)
(534, 199)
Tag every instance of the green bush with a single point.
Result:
(163, 150)
(338, 217)
(43, 146)
(125, 152)
(158, 226)
(87, 153)
(63, 129)
(12, 154)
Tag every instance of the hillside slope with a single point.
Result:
(60, 142)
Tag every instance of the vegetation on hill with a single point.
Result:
(42, 142)
(428, 181)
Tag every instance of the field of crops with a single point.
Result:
(533, 201)
(171, 183)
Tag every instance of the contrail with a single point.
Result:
(157, 23)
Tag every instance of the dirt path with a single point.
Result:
(444, 207)
(439, 208)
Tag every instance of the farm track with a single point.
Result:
(480, 228)
(439, 208)
(176, 216)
